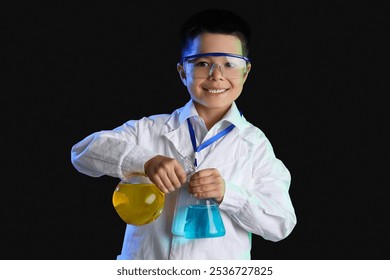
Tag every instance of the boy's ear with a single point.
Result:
(247, 72)
(182, 73)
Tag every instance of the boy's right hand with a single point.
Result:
(165, 172)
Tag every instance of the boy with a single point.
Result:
(235, 163)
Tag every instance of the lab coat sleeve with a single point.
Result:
(266, 209)
(114, 153)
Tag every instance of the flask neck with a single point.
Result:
(136, 178)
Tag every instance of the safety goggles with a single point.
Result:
(203, 65)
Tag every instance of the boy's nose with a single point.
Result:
(216, 74)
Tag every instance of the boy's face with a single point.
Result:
(216, 91)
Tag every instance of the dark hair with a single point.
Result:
(215, 21)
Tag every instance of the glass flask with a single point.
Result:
(137, 200)
(193, 217)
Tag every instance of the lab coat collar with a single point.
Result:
(232, 116)
(179, 135)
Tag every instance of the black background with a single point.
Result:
(315, 89)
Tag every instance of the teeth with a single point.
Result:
(217, 90)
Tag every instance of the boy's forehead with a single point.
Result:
(212, 42)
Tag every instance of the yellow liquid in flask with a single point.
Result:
(138, 204)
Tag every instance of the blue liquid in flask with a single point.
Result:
(203, 221)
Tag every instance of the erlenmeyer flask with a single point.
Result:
(137, 201)
(196, 218)
(203, 220)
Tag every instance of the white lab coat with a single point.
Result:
(257, 183)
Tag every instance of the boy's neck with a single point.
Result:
(211, 116)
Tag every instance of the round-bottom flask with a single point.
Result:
(137, 201)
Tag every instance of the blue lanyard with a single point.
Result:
(208, 142)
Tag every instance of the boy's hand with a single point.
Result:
(208, 183)
(166, 173)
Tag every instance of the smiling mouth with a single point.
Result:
(217, 90)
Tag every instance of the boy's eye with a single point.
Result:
(201, 64)
(230, 65)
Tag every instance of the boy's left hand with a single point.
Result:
(207, 183)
